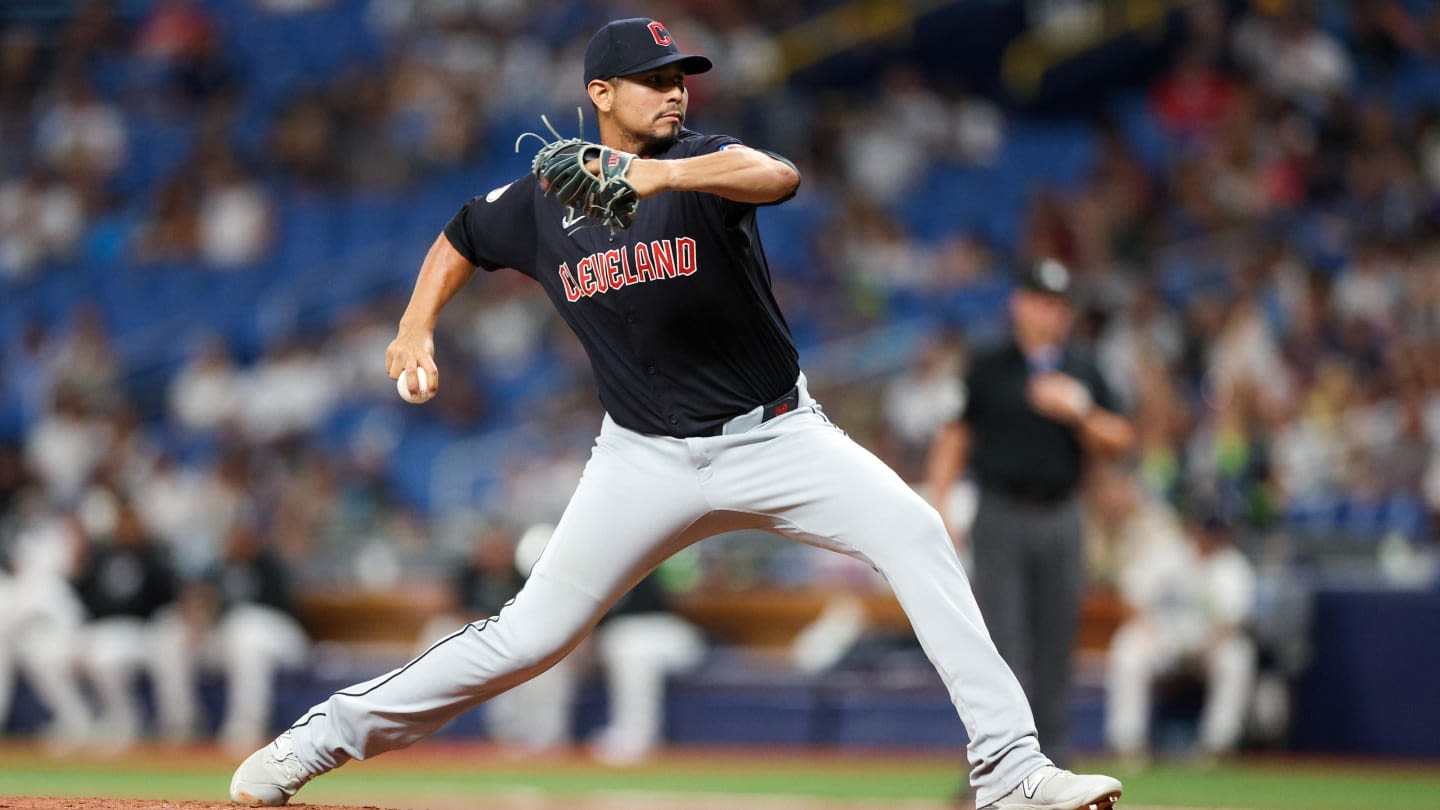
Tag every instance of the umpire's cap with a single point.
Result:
(624, 47)
(1048, 276)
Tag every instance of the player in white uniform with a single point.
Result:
(709, 428)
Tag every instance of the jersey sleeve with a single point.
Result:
(492, 230)
(706, 144)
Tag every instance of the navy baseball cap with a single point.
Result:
(624, 47)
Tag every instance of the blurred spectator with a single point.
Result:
(1194, 97)
(286, 393)
(78, 132)
(979, 129)
(1192, 601)
(27, 375)
(1228, 459)
(1124, 194)
(205, 393)
(170, 231)
(508, 327)
(1195, 209)
(964, 260)
(1162, 420)
(171, 503)
(238, 619)
(1383, 33)
(1308, 449)
(41, 219)
(301, 142)
(1257, 160)
(1242, 358)
(235, 220)
(124, 579)
(1292, 56)
(96, 34)
(430, 116)
(371, 158)
(1366, 293)
(66, 447)
(1144, 330)
(539, 478)
(872, 254)
(20, 80)
(329, 505)
(887, 148)
(917, 402)
(1124, 524)
(360, 336)
(173, 31)
(179, 57)
(85, 360)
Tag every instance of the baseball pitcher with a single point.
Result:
(646, 243)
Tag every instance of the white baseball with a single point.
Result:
(402, 385)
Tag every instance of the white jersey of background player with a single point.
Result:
(40, 626)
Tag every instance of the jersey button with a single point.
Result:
(649, 369)
(674, 420)
(629, 318)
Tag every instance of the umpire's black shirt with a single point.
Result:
(675, 313)
(1014, 449)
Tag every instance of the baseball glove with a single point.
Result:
(605, 195)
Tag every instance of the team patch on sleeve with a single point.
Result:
(729, 146)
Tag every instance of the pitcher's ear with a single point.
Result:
(602, 93)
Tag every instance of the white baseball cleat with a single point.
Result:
(1051, 788)
(270, 776)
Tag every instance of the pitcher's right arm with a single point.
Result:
(442, 274)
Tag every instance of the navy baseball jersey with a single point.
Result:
(676, 313)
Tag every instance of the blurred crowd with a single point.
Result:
(1255, 243)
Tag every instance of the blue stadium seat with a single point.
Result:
(1140, 129)
(1414, 86)
(310, 230)
(156, 149)
(369, 219)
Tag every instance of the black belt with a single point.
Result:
(785, 403)
(1038, 497)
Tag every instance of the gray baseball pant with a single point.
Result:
(640, 499)
(1030, 580)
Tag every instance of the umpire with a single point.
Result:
(1035, 409)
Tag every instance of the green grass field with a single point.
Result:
(449, 777)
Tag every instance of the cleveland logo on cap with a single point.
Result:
(626, 47)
